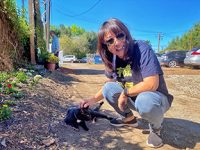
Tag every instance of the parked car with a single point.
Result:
(97, 59)
(83, 60)
(158, 57)
(173, 58)
(193, 58)
(69, 58)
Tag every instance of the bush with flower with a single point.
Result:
(52, 59)
(5, 112)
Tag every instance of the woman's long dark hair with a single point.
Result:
(116, 26)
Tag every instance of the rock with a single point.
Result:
(39, 67)
(3, 142)
(49, 141)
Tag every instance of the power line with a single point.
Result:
(86, 20)
(84, 12)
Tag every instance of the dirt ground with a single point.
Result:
(37, 121)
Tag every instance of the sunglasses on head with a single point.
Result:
(120, 36)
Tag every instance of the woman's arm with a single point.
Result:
(150, 83)
(91, 101)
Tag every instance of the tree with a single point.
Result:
(76, 31)
(66, 44)
(186, 42)
(92, 41)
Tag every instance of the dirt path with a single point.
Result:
(182, 123)
(38, 118)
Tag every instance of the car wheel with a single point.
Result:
(172, 64)
(195, 67)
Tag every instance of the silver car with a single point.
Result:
(193, 58)
(158, 57)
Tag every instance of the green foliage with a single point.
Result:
(21, 76)
(9, 103)
(52, 59)
(187, 41)
(75, 40)
(91, 41)
(43, 56)
(18, 94)
(5, 112)
(9, 88)
(76, 31)
(4, 76)
(66, 44)
(17, 22)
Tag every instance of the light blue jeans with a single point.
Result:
(150, 105)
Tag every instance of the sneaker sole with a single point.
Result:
(121, 125)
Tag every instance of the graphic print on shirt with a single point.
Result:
(126, 75)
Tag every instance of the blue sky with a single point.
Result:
(144, 18)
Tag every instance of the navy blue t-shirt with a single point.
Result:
(128, 74)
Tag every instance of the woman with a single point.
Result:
(136, 80)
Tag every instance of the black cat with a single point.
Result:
(76, 117)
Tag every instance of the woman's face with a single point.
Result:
(116, 44)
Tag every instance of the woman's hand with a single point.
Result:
(122, 101)
(86, 103)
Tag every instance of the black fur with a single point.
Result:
(76, 117)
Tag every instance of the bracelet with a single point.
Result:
(125, 92)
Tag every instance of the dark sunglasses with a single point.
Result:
(120, 36)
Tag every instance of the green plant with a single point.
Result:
(9, 103)
(9, 88)
(21, 76)
(1, 88)
(5, 112)
(43, 55)
(52, 59)
(18, 94)
(4, 76)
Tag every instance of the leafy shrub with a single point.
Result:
(18, 94)
(9, 88)
(9, 102)
(43, 56)
(21, 76)
(52, 59)
(4, 76)
(5, 112)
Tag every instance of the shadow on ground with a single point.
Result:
(62, 77)
(100, 136)
(88, 71)
(181, 133)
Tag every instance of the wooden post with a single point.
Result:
(32, 31)
(47, 23)
(158, 42)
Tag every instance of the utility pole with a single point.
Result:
(32, 30)
(46, 21)
(158, 42)
(160, 35)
